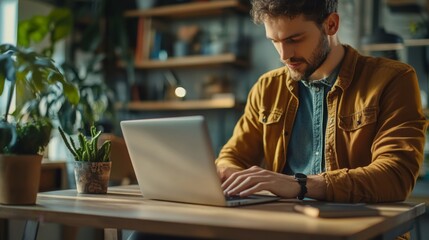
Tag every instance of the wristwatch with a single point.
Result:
(302, 181)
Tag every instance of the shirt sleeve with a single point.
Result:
(245, 148)
(396, 150)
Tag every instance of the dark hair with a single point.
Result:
(313, 10)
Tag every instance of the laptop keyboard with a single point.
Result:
(235, 197)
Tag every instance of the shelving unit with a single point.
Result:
(395, 46)
(188, 10)
(416, 42)
(192, 61)
(192, 10)
(180, 105)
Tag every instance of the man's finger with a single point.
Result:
(244, 182)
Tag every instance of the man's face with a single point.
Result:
(301, 44)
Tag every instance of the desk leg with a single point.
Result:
(30, 230)
(69, 232)
(404, 228)
(3, 229)
(418, 229)
(112, 234)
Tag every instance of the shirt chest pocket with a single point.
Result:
(358, 119)
(270, 117)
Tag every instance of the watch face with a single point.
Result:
(300, 176)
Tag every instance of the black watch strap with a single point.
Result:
(302, 181)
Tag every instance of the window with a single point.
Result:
(8, 29)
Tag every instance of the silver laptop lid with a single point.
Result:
(173, 159)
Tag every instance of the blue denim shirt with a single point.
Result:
(305, 153)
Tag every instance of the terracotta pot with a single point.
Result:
(92, 177)
(19, 178)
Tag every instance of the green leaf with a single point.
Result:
(44, 63)
(23, 36)
(62, 21)
(37, 80)
(39, 28)
(2, 82)
(4, 48)
(70, 91)
(69, 145)
(104, 152)
(7, 67)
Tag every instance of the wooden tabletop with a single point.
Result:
(124, 208)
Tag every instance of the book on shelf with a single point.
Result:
(154, 41)
(139, 42)
(144, 41)
(336, 210)
(161, 41)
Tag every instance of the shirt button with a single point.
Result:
(317, 89)
(316, 153)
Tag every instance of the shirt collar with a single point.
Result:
(328, 81)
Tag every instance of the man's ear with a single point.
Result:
(332, 24)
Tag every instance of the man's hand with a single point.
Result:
(225, 172)
(255, 179)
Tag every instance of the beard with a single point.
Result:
(319, 55)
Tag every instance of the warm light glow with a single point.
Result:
(180, 92)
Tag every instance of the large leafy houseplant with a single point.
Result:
(23, 136)
(34, 73)
(44, 31)
(96, 102)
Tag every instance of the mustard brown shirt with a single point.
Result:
(375, 130)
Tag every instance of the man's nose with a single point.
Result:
(285, 52)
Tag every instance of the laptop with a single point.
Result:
(174, 161)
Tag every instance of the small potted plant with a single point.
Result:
(92, 163)
(23, 136)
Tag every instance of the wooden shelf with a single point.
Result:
(179, 105)
(396, 46)
(416, 42)
(151, 22)
(382, 47)
(190, 9)
(192, 61)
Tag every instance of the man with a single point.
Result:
(353, 124)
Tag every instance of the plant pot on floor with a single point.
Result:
(19, 179)
(92, 177)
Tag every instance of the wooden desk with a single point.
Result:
(124, 208)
